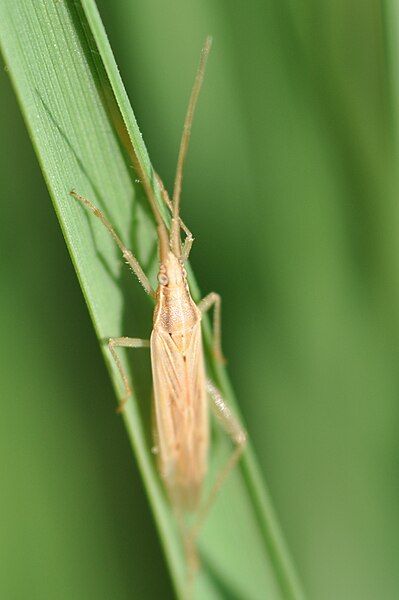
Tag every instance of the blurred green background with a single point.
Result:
(290, 190)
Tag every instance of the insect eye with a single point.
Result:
(163, 279)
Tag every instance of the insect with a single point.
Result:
(181, 388)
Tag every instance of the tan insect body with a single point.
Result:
(180, 396)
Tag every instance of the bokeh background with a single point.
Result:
(291, 192)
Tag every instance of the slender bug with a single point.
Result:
(181, 387)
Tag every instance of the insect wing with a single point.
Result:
(181, 413)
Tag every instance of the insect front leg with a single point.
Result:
(125, 342)
(127, 254)
(237, 434)
(213, 299)
(188, 242)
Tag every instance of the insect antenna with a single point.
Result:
(163, 235)
(175, 230)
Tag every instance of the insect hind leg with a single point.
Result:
(237, 434)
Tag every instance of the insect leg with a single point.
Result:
(127, 254)
(234, 430)
(188, 242)
(205, 304)
(232, 427)
(125, 342)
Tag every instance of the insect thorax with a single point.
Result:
(175, 311)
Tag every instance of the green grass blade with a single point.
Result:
(67, 82)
